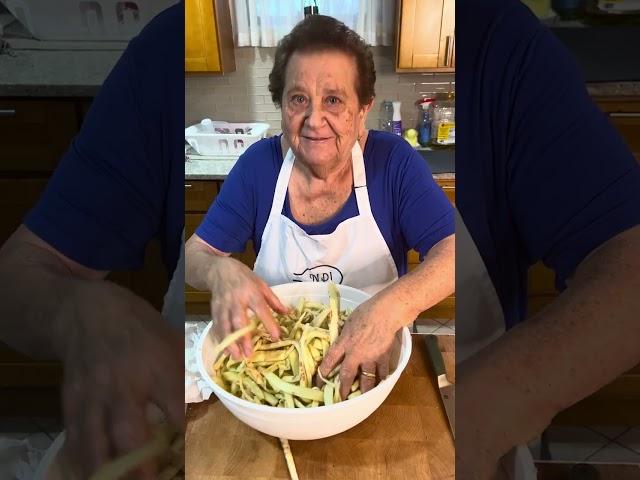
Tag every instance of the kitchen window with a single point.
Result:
(262, 23)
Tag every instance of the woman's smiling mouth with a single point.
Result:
(315, 140)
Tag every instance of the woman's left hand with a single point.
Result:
(365, 345)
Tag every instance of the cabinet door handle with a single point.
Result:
(186, 185)
(448, 51)
(7, 112)
(625, 114)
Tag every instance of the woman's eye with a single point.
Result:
(298, 99)
(333, 100)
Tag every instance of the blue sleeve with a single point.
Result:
(230, 221)
(572, 182)
(105, 199)
(425, 213)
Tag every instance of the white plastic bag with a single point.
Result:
(195, 388)
(18, 459)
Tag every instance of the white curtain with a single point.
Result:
(262, 23)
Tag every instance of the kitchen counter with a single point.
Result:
(605, 89)
(219, 169)
(207, 169)
(407, 437)
(55, 73)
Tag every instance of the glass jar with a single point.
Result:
(443, 123)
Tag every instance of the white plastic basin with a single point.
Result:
(306, 423)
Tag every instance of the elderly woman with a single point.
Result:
(327, 197)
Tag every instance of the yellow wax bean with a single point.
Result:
(328, 394)
(302, 392)
(233, 337)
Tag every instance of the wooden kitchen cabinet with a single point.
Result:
(208, 37)
(624, 114)
(35, 133)
(196, 301)
(17, 197)
(425, 36)
(198, 197)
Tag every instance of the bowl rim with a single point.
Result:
(405, 354)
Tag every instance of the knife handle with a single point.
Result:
(435, 355)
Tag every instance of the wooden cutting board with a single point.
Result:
(408, 437)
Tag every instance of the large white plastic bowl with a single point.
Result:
(305, 423)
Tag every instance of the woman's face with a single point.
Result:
(321, 114)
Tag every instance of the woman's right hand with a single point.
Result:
(119, 356)
(234, 290)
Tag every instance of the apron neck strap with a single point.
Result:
(281, 185)
(360, 180)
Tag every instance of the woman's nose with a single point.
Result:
(315, 116)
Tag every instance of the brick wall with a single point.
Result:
(243, 95)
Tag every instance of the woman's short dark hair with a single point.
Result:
(318, 33)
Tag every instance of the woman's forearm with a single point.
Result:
(200, 259)
(429, 283)
(34, 285)
(578, 344)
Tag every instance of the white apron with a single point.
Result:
(355, 254)
(479, 322)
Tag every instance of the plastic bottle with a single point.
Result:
(425, 115)
(386, 116)
(397, 119)
(443, 125)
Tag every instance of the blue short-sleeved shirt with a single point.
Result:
(120, 184)
(541, 173)
(410, 209)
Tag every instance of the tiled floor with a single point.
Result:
(437, 326)
(615, 444)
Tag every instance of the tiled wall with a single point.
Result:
(243, 95)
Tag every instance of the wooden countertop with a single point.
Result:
(407, 437)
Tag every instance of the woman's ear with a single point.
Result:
(364, 112)
(366, 108)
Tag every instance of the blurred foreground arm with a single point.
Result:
(575, 346)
